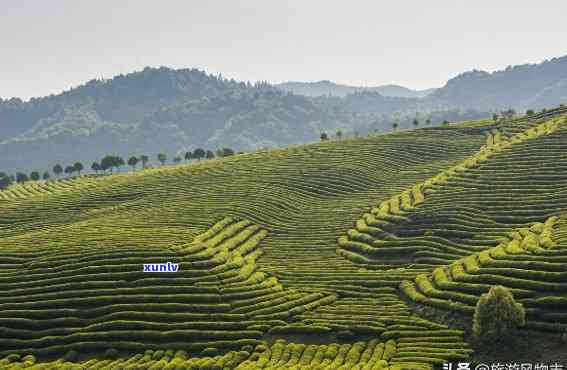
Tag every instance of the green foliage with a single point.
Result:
(133, 161)
(161, 107)
(71, 356)
(324, 136)
(35, 176)
(198, 153)
(110, 162)
(96, 167)
(162, 158)
(372, 238)
(69, 170)
(21, 177)
(144, 159)
(5, 181)
(224, 152)
(496, 315)
(359, 355)
(78, 167)
(57, 170)
(308, 194)
(111, 354)
(13, 357)
(209, 351)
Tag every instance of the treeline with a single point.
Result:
(110, 163)
(339, 133)
(6, 179)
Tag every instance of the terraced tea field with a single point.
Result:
(309, 257)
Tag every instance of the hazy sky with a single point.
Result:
(47, 46)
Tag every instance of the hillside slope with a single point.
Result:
(259, 239)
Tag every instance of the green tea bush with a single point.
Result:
(210, 352)
(390, 349)
(28, 361)
(71, 356)
(111, 354)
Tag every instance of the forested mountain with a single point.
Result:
(166, 110)
(528, 86)
(325, 87)
(158, 110)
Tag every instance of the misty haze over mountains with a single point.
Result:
(326, 87)
(166, 110)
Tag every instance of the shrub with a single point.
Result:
(111, 354)
(71, 356)
(389, 350)
(210, 352)
(28, 360)
(13, 357)
(181, 354)
(496, 314)
(345, 335)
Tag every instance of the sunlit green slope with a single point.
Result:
(493, 219)
(264, 250)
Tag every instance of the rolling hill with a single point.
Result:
(363, 253)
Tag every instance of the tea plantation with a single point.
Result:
(318, 256)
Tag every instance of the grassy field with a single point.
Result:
(310, 257)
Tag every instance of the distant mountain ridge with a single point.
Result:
(326, 87)
(166, 110)
(158, 110)
(527, 86)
